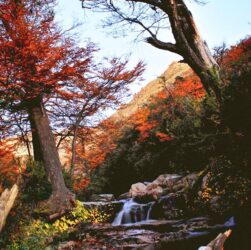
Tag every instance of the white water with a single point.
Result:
(133, 212)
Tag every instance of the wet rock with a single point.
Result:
(124, 196)
(161, 234)
(102, 197)
(169, 207)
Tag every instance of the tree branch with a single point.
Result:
(162, 45)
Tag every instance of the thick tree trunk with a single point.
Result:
(37, 151)
(46, 151)
(189, 45)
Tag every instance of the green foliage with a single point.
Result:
(201, 129)
(135, 160)
(37, 187)
(68, 179)
(36, 184)
(36, 234)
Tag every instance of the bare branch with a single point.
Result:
(162, 45)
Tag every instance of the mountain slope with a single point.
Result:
(174, 71)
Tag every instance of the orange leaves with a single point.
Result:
(148, 119)
(142, 124)
(237, 55)
(163, 137)
(8, 165)
(35, 54)
(190, 86)
(81, 183)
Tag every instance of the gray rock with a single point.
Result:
(102, 197)
(167, 180)
(186, 182)
(124, 196)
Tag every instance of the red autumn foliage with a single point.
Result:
(35, 58)
(237, 55)
(39, 62)
(9, 168)
(147, 119)
(142, 124)
(190, 86)
(163, 137)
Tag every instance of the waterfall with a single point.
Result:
(133, 212)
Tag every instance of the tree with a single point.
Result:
(105, 90)
(152, 16)
(37, 62)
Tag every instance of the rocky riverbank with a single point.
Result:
(161, 214)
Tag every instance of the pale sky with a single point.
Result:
(218, 21)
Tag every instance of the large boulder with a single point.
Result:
(167, 180)
(154, 190)
(137, 190)
(144, 193)
(169, 207)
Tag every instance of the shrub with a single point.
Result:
(36, 234)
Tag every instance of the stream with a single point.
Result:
(133, 212)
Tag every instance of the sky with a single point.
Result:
(218, 21)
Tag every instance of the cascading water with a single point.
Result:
(133, 212)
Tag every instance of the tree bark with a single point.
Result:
(37, 152)
(7, 200)
(189, 45)
(218, 242)
(46, 151)
(73, 149)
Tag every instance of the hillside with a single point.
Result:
(175, 70)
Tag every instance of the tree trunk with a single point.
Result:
(45, 150)
(193, 49)
(37, 151)
(189, 45)
(218, 242)
(7, 200)
(73, 149)
(28, 146)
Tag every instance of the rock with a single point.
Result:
(68, 245)
(167, 180)
(163, 234)
(153, 190)
(145, 193)
(186, 182)
(205, 181)
(169, 207)
(124, 196)
(137, 190)
(102, 197)
(215, 204)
